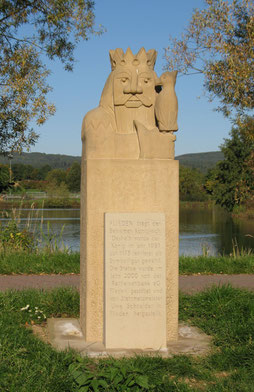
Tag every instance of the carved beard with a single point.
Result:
(126, 115)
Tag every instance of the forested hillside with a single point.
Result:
(38, 159)
(202, 161)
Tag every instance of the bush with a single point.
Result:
(12, 238)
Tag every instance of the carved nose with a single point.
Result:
(133, 87)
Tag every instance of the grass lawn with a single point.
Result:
(41, 262)
(63, 263)
(40, 203)
(29, 365)
(216, 265)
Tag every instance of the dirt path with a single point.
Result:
(187, 284)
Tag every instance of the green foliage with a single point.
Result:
(52, 241)
(33, 184)
(57, 191)
(28, 172)
(73, 177)
(11, 237)
(202, 161)
(61, 203)
(56, 176)
(218, 42)
(39, 160)
(231, 182)
(22, 172)
(191, 186)
(115, 376)
(57, 27)
(4, 177)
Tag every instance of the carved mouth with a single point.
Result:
(133, 103)
(133, 98)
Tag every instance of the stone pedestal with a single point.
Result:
(145, 186)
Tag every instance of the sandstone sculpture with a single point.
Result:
(129, 209)
(166, 105)
(124, 125)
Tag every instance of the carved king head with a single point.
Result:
(132, 84)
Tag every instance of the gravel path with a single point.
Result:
(188, 284)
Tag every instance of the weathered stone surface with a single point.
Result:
(135, 277)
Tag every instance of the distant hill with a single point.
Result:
(202, 161)
(38, 159)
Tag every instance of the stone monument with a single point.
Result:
(129, 208)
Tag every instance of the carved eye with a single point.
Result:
(146, 80)
(124, 79)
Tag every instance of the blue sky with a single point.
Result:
(133, 23)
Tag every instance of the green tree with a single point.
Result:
(219, 42)
(58, 191)
(28, 31)
(21, 171)
(4, 177)
(73, 177)
(18, 170)
(43, 171)
(191, 185)
(56, 176)
(231, 182)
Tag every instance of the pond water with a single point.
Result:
(208, 230)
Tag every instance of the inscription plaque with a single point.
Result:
(135, 282)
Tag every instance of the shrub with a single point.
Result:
(12, 238)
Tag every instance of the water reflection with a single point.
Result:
(205, 229)
(214, 231)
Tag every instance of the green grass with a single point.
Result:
(41, 203)
(29, 365)
(217, 265)
(62, 263)
(35, 263)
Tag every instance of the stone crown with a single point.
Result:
(119, 58)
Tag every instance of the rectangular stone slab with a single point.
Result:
(135, 280)
(120, 185)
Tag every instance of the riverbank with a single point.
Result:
(67, 263)
(25, 202)
(39, 203)
(75, 203)
(245, 213)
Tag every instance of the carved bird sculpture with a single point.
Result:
(166, 105)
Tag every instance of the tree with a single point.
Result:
(4, 177)
(231, 182)
(219, 42)
(73, 177)
(56, 176)
(43, 171)
(191, 185)
(22, 172)
(28, 31)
